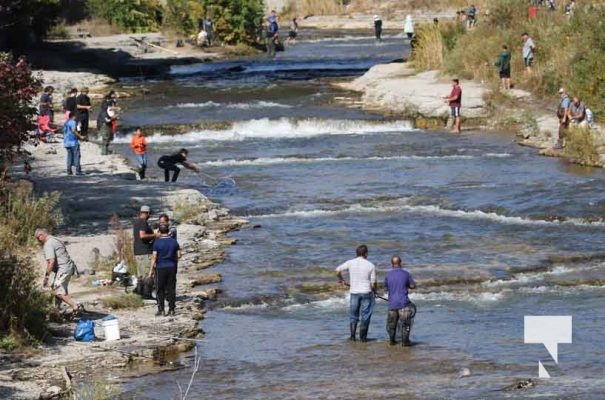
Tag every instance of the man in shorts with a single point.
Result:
(59, 262)
(503, 64)
(454, 100)
(143, 237)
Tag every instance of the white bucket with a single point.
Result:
(112, 329)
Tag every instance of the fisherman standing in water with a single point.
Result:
(401, 309)
(362, 276)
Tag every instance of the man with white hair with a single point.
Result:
(59, 262)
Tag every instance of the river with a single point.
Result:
(490, 231)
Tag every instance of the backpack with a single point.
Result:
(145, 288)
(273, 27)
(85, 331)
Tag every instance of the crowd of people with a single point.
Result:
(363, 291)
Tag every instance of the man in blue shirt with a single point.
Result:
(164, 261)
(72, 144)
(401, 309)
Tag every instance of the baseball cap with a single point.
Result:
(145, 209)
(561, 90)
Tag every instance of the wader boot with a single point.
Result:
(353, 327)
(363, 333)
(392, 341)
(405, 335)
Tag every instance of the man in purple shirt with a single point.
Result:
(401, 309)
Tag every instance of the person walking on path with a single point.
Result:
(58, 261)
(169, 163)
(454, 100)
(83, 108)
(408, 27)
(142, 243)
(503, 65)
(362, 289)
(71, 143)
(528, 51)
(378, 28)
(164, 263)
(293, 32)
(139, 146)
(401, 311)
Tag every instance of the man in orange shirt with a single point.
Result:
(139, 145)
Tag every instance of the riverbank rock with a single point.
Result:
(207, 279)
(396, 88)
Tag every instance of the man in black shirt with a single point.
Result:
(168, 163)
(69, 104)
(143, 237)
(83, 110)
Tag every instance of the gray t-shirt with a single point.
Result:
(578, 109)
(528, 48)
(55, 249)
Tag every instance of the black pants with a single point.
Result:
(165, 281)
(167, 167)
(83, 126)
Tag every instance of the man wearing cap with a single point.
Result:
(362, 277)
(143, 237)
(378, 28)
(563, 115)
(83, 108)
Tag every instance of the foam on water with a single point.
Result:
(432, 210)
(282, 128)
(239, 106)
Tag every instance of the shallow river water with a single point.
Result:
(490, 231)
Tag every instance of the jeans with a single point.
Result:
(73, 159)
(362, 306)
(142, 161)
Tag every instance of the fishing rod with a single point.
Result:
(375, 294)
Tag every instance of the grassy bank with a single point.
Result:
(569, 51)
(24, 307)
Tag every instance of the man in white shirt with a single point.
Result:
(362, 276)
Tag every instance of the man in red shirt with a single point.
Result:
(454, 100)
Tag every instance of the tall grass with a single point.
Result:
(430, 49)
(568, 53)
(315, 7)
(581, 145)
(23, 306)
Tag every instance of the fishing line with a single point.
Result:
(221, 185)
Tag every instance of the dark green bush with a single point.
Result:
(131, 15)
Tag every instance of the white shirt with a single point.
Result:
(362, 274)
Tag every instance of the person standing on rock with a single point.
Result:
(454, 100)
(164, 263)
(83, 108)
(362, 289)
(139, 146)
(58, 261)
(408, 27)
(503, 65)
(401, 310)
(378, 28)
(169, 163)
(142, 243)
(563, 116)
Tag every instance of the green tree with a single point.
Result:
(131, 15)
(25, 22)
(235, 21)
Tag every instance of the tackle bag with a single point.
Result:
(145, 288)
(85, 331)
